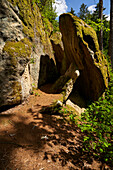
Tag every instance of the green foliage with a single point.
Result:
(72, 11)
(94, 21)
(32, 61)
(97, 125)
(48, 12)
(37, 94)
(97, 26)
(84, 13)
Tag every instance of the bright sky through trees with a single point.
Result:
(65, 5)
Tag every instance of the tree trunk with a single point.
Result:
(101, 31)
(111, 33)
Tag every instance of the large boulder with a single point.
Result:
(81, 48)
(23, 42)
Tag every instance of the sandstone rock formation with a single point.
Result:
(58, 48)
(82, 50)
(28, 58)
(23, 42)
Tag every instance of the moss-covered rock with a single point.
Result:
(17, 55)
(16, 94)
(33, 26)
(82, 49)
(24, 39)
(15, 50)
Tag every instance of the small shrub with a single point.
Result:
(37, 94)
(97, 126)
(32, 61)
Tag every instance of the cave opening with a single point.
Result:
(48, 71)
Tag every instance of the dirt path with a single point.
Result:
(30, 140)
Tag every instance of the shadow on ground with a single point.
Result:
(35, 139)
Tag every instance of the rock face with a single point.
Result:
(29, 59)
(23, 42)
(82, 50)
(58, 48)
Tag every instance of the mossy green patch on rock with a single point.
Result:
(25, 39)
(18, 49)
(85, 32)
(48, 26)
(26, 11)
(57, 38)
(101, 63)
(16, 93)
(33, 26)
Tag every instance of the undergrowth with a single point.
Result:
(97, 125)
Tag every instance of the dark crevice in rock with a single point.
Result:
(4, 38)
(89, 40)
(97, 60)
(3, 13)
(21, 73)
(14, 19)
(22, 20)
(48, 71)
(15, 9)
(31, 39)
(29, 68)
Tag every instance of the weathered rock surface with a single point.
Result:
(23, 42)
(29, 59)
(65, 82)
(82, 50)
(58, 48)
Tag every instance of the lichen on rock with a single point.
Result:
(28, 56)
(23, 39)
(81, 48)
(16, 94)
(18, 49)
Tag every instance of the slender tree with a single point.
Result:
(96, 22)
(72, 11)
(101, 19)
(111, 33)
(84, 13)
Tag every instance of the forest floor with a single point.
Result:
(31, 140)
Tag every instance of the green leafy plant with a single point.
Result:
(37, 94)
(48, 13)
(32, 61)
(97, 125)
(93, 20)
